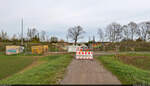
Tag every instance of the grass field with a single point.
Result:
(2, 53)
(49, 72)
(138, 60)
(127, 74)
(10, 65)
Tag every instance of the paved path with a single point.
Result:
(88, 72)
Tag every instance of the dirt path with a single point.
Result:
(88, 72)
(34, 63)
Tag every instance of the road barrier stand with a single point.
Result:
(84, 55)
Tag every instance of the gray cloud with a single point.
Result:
(56, 16)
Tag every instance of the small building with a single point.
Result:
(39, 49)
(72, 48)
(82, 47)
(96, 45)
(13, 49)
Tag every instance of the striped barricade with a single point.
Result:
(84, 55)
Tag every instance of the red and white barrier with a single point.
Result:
(84, 55)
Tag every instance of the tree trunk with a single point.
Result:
(75, 42)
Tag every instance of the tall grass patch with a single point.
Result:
(137, 60)
(127, 74)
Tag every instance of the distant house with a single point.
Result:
(83, 46)
(72, 48)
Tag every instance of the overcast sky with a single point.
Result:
(56, 16)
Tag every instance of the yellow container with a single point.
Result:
(37, 49)
(45, 47)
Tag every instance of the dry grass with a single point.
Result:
(142, 62)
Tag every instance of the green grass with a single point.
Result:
(136, 53)
(138, 60)
(21, 54)
(47, 73)
(25, 54)
(9, 65)
(127, 74)
(142, 63)
(2, 53)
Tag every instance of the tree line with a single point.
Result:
(32, 35)
(114, 32)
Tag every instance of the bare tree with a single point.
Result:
(14, 38)
(43, 36)
(47, 37)
(29, 34)
(75, 33)
(109, 33)
(18, 36)
(101, 34)
(133, 29)
(118, 32)
(33, 34)
(114, 32)
(144, 28)
(67, 37)
(3, 35)
(126, 32)
(54, 39)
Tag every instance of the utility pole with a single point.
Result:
(22, 31)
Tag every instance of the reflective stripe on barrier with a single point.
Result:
(84, 55)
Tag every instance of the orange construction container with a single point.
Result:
(37, 49)
(40, 49)
(45, 47)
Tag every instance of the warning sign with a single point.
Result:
(84, 54)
